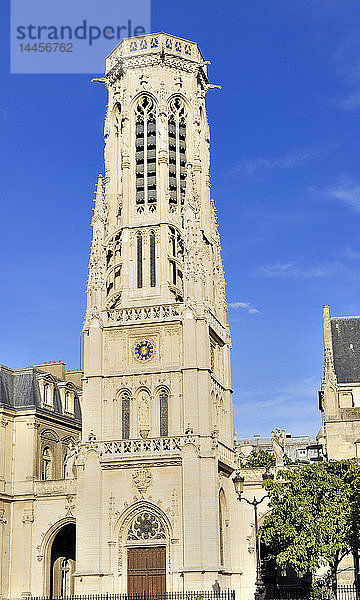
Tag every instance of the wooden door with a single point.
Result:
(147, 570)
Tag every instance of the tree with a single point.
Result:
(315, 516)
(258, 458)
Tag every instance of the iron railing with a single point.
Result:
(344, 592)
(190, 595)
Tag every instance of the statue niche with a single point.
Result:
(144, 414)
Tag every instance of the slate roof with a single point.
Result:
(19, 388)
(345, 333)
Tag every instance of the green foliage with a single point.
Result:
(315, 515)
(258, 458)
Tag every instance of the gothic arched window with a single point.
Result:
(164, 413)
(125, 416)
(177, 153)
(152, 260)
(46, 464)
(222, 516)
(139, 259)
(145, 146)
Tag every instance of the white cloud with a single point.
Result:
(292, 160)
(293, 270)
(245, 305)
(347, 62)
(350, 253)
(348, 194)
(346, 191)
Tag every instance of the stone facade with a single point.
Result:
(152, 471)
(40, 418)
(157, 427)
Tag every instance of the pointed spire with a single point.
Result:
(100, 210)
(329, 370)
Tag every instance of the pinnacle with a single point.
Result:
(100, 212)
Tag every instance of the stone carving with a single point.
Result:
(51, 487)
(70, 504)
(278, 444)
(144, 414)
(28, 517)
(173, 510)
(2, 516)
(111, 510)
(143, 446)
(39, 556)
(92, 436)
(69, 461)
(151, 313)
(142, 479)
(96, 278)
(146, 526)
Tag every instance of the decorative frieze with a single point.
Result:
(144, 314)
(125, 448)
(55, 487)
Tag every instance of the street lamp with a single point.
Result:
(239, 488)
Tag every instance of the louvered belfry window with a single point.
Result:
(139, 260)
(164, 416)
(177, 153)
(125, 416)
(152, 260)
(145, 146)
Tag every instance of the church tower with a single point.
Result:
(154, 495)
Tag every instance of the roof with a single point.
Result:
(345, 333)
(19, 388)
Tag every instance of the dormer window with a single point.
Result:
(68, 399)
(67, 402)
(48, 395)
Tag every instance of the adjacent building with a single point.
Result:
(40, 418)
(298, 448)
(339, 397)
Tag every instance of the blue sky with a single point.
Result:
(285, 177)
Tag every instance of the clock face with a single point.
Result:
(143, 350)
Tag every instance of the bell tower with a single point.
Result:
(157, 447)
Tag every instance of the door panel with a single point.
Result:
(146, 570)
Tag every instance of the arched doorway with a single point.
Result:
(144, 549)
(146, 570)
(62, 561)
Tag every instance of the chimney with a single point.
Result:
(54, 368)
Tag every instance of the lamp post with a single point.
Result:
(239, 488)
